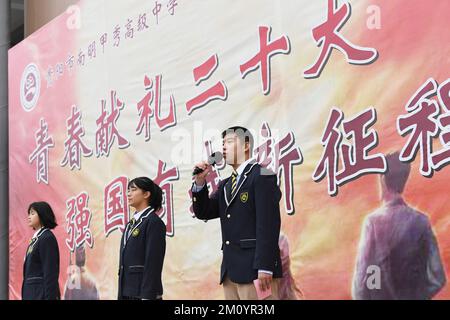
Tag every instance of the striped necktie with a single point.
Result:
(233, 182)
(31, 245)
(132, 222)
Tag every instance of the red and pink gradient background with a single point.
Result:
(413, 45)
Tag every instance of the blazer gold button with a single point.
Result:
(227, 243)
(229, 216)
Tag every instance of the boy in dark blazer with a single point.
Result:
(247, 204)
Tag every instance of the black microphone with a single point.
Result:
(213, 159)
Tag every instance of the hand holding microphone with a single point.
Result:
(202, 169)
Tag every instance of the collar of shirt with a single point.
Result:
(37, 232)
(242, 167)
(137, 215)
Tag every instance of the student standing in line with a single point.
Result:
(143, 244)
(41, 266)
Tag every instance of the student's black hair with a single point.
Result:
(147, 184)
(45, 213)
(243, 134)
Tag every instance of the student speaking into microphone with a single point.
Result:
(143, 244)
(247, 204)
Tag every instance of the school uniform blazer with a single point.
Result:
(142, 251)
(250, 222)
(41, 268)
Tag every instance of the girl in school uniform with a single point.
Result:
(41, 266)
(143, 244)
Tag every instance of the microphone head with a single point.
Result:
(215, 157)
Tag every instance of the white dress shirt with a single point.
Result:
(37, 232)
(137, 215)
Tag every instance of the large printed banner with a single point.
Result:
(112, 90)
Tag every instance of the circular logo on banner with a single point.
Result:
(30, 87)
